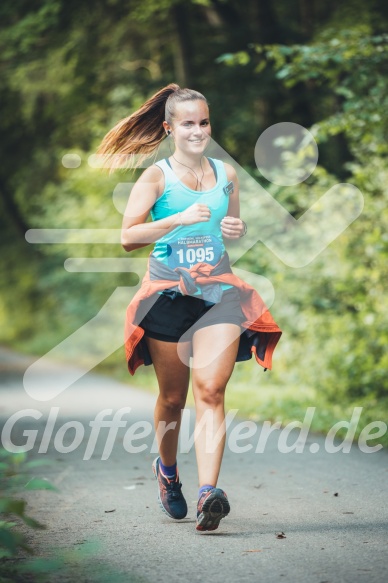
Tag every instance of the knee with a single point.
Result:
(173, 403)
(210, 393)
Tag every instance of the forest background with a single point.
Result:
(70, 70)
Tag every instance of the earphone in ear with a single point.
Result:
(168, 132)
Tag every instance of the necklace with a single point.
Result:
(203, 171)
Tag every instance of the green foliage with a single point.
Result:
(345, 72)
(69, 73)
(15, 477)
(14, 471)
(348, 69)
(74, 563)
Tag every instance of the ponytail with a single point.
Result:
(135, 138)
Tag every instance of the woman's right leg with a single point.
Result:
(173, 379)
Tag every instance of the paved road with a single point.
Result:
(332, 507)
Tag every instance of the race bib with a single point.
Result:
(187, 251)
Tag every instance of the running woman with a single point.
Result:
(190, 303)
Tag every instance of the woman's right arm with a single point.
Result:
(136, 232)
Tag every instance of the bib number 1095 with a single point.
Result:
(198, 255)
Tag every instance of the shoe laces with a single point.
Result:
(174, 487)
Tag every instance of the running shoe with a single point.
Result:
(212, 506)
(170, 497)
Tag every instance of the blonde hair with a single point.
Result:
(136, 137)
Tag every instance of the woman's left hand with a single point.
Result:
(232, 227)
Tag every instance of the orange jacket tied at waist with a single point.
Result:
(261, 333)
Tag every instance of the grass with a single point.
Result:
(260, 397)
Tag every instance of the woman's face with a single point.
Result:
(191, 128)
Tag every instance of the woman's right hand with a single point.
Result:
(196, 213)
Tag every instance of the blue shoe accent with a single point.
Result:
(205, 488)
(168, 471)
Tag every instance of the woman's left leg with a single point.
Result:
(214, 355)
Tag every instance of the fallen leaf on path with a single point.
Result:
(280, 534)
(336, 494)
(253, 551)
(114, 510)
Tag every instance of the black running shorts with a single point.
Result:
(169, 319)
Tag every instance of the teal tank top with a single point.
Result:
(187, 245)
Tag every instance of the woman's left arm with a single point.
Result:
(232, 227)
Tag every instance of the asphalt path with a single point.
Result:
(332, 507)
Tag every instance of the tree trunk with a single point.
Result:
(306, 9)
(265, 26)
(183, 52)
(12, 209)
